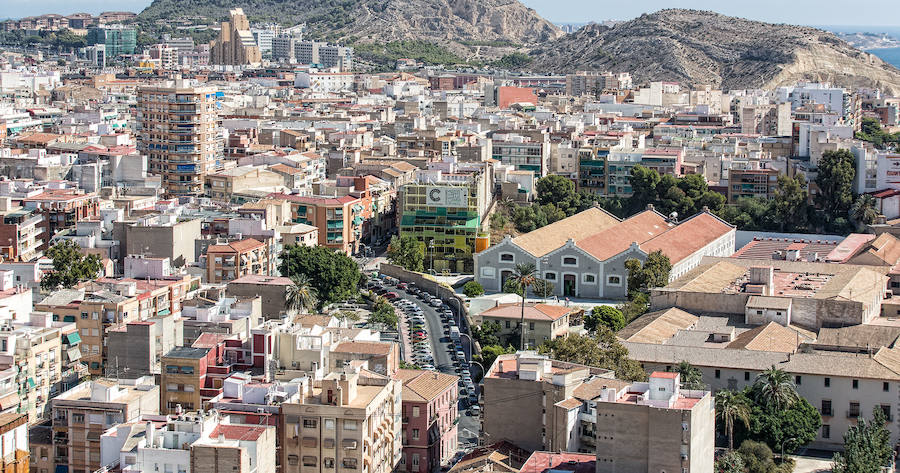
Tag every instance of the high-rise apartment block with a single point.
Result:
(179, 132)
(236, 44)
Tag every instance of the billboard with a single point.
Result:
(888, 171)
(446, 196)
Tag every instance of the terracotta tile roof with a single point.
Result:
(591, 389)
(659, 326)
(541, 462)
(421, 385)
(543, 312)
(209, 340)
(570, 403)
(688, 236)
(367, 348)
(885, 249)
(664, 374)
(237, 432)
(576, 227)
(636, 229)
(771, 337)
(241, 246)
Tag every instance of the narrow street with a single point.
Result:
(469, 426)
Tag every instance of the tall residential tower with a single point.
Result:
(179, 131)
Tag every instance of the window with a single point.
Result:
(718, 374)
(853, 412)
(84, 315)
(826, 431)
(550, 276)
(309, 461)
(415, 412)
(187, 369)
(328, 462)
(77, 418)
(171, 387)
(886, 408)
(588, 279)
(570, 261)
(487, 272)
(746, 376)
(826, 407)
(530, 325)
(329, 424)
(507, 324)
(507, 257)
(415, 460)
(614, 280)
(309, 423)
(885, 386)
(827, 382)
(349, 463)
(415, 434)
(797, 380)
(349, 424)
(293, 459)
(188, 388)
(855, 384)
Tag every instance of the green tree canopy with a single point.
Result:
(836, 172)
(603, 350)
(486, 333)
(408, 252)
(489, 353)
(791, 427)
(70, 266)
(334, 275)
(604, 316)
(383, 313)
(867, 447)
(791, 203)
(542, 288)
(473, 289)
(555, 189)
(864, 211)
(691, 376)
(653, 272)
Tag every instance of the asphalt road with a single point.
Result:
(469, 427)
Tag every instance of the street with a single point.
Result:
(441, 345)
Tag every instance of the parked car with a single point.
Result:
(402, 285)
(475, 409)
(391, 296)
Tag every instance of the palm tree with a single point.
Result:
(300, 295)
(774, 389)
(732, 406)
(524, 276)
(864, 210)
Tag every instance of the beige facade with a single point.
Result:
(222, 185)
(543, 322)
(555, 394)
(655, 426)
(81, 415)
(235, 45)
(36, 353)
(179, 132)
(351, 423)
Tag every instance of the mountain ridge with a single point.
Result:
(696, 47)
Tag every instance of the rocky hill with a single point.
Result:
(472, 22)
(700, 47)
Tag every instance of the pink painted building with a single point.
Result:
(429, 420)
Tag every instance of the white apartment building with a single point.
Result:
(324, 81)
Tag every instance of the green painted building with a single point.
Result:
(446, 215)
(118, 39)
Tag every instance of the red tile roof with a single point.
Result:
(688, 237)
(540, 462)
(237, 432)
(244, 245)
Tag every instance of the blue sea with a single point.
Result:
(891, 56)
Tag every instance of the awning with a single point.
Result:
(61, 469)
(164, 312)
(30, 382)
(9, 401)
(74, 354)
(73, 338)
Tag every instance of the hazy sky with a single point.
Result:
(807, 12)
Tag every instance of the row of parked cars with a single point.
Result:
(422, 354)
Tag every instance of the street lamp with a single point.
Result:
(431, 248)
(792, 439)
